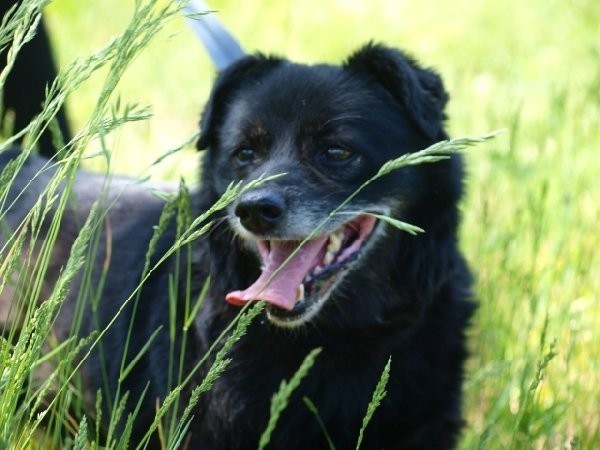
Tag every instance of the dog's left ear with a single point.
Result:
(420, 91)
(246, 70)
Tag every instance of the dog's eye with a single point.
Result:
(337, 154)
(245, 155)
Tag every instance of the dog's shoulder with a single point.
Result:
(126, 212)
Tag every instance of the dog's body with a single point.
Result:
(360, 289)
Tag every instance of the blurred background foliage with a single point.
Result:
(497, 58)
(530, 218)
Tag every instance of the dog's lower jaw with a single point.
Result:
(304, 310)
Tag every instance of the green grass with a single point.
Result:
(530, 217)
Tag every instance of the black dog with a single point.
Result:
(360, 289)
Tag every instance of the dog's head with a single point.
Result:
(328, 129)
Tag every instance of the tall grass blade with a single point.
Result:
(313, 409)
(282, 397)
(378, 396)
(81, 438)
(219, 365)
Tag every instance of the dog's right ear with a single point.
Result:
(419, 90)
(229, 81)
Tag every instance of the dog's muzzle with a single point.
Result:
(299, 273)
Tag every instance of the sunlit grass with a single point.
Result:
(530, 216)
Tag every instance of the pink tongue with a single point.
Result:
(280, 289)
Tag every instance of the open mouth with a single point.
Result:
(296, 279)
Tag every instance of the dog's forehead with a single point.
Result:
(299, 93)
(316, 106)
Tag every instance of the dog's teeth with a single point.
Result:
(317, 270)
(300, 292)
(335, 243)
(328, 258)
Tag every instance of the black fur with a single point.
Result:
(408, 297)
(24, 92)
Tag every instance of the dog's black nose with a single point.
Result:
(259, 212)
